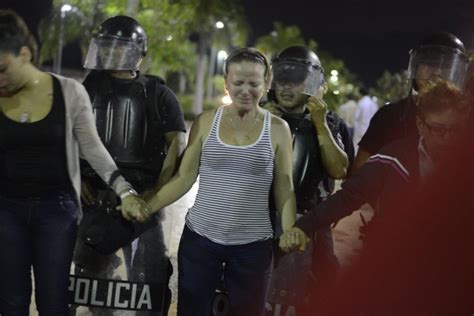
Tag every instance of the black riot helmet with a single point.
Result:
(439, 56)
(119, 44)
(443, 39)
(297, 68)
(299, 54)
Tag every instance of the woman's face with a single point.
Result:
(245, 83)
(11, 73)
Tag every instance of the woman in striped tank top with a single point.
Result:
(238, 151)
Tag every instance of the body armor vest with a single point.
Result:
(128, 121)
(308, 170)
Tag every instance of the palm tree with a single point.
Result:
(280, 38)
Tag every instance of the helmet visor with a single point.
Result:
(113, 54)
(436, 63)
(296, 77)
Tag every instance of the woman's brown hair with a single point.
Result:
(14, 34)
(249, 54)
(441, 96)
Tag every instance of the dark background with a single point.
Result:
(370, 36)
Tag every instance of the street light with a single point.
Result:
(222, 55)
(219, 25)
(65, 8)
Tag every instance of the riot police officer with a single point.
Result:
(140, 121)
(439, 56)
(322, 152)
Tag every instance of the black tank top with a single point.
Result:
(33, 155)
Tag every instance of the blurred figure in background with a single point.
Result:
(347, 112)
(364, 112)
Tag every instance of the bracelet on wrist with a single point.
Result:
(128, 192)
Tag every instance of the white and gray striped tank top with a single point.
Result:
(231, 206)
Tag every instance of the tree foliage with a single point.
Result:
(209, 38)
(342, 83)
(281, 37)
(166, 23)
(208, 12)
(391, 87)
(69, 25)
(170, 25)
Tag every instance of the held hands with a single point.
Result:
(134, 208)
(318, 109)
(293, 239)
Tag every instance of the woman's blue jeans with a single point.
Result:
(38, 233)
(246, 272)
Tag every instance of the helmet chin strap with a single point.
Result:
(124, 74)
(133, 73)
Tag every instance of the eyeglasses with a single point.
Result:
(439, 129)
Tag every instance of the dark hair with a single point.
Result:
(439, 97)
(248, 54)
(14, 34)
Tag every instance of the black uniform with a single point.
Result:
(294, 272)
(391, 122)
(132, 117)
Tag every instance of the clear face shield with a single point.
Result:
(437, 63)
(294, 81)
(296, 77)
(113, 54)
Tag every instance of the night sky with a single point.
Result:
(31, 10)
(369, 35)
